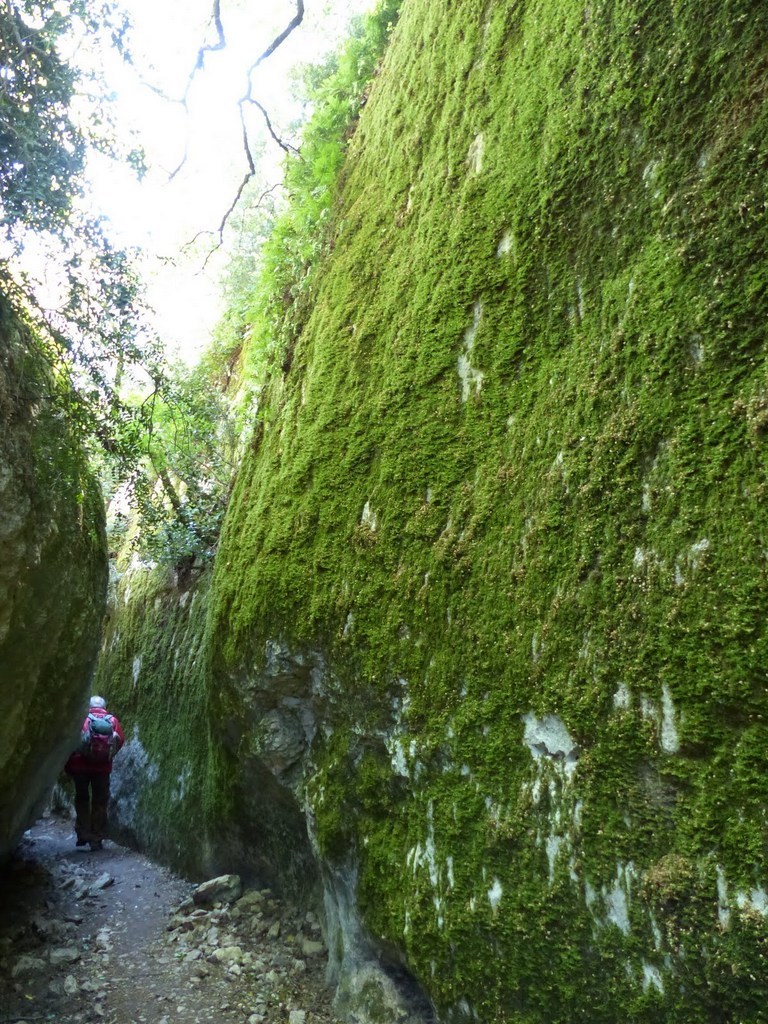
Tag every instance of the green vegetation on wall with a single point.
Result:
(510, 479)
(174, 781)
(53, 574)
(268, 312)
(188, 785)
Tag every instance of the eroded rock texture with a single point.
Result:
(53, 569)
(485, 640)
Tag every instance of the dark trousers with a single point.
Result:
(91, 799)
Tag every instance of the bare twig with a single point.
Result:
(219, 232)
(285, 146)
(246, 143)
(292, 24)
(230, 211)
(220, 44)
(199, 64)
(248, 98)
(181, 163)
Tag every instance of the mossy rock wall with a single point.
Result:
(53, 575)
(189, 784)
(511, 491)
(152, 674)
(485, 633)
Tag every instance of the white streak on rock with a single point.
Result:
(622, 698)
(368, 517)
(548, 737)
(475, 154)
(670, 741)
(723, 910)
(652, 978)
(495, 894)
(471, 379)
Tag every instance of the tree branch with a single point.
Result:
(220, 44)
(231, 210)
(199, 64)
(292, 24)
(285, 146)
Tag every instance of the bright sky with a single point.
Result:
(162, 215)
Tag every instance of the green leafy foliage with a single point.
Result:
(268, 307)
(95, 328)
(186, 464)
(41, 152)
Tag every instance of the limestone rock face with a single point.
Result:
(486, 630)
(510, 491)
(53, 569)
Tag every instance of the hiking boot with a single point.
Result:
(97, 844)
(81, 842)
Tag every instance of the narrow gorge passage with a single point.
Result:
(111, 936)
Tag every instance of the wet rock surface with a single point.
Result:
(110, 936)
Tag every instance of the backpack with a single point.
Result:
(99, 739)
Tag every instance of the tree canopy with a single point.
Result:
(170, 433)
(41, 150)
(51, 112)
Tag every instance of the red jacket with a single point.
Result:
(79, 764)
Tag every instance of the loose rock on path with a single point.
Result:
(109, 936)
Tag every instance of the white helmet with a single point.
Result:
(98, 702)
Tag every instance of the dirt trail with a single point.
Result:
(110, 936)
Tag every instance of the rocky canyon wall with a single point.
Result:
(53, 575)
(484, 649)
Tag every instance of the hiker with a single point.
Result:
(90, 767)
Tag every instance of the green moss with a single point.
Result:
(516, 464)
(153, 670)
(53, 566)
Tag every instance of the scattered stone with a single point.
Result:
(64, 955)
(27, 965)
(183, 924)
(102, 882)
(50, 929)
(250, 899)
(227, 955)
(224, 889)
(253, 959)
(311, 947)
